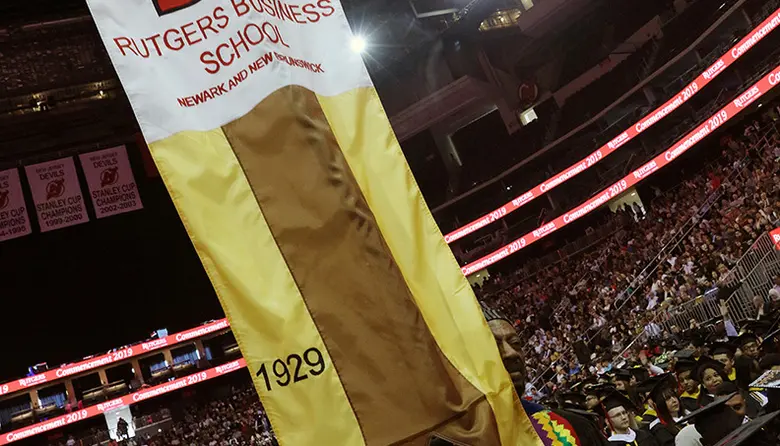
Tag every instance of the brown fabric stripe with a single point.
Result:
(399, 383)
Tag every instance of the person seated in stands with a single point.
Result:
(666, 401)
(618, 412)
(708, 425)
(746, 404)
(561, 423)
(724, 352)
(690, 386)
(711, 375)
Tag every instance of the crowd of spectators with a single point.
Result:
(235, 421)
(682, 245)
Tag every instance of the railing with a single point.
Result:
(701, 309)
(764, 257)
(140, 422)
(754, 273)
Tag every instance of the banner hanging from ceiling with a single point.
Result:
(111, 182)
(14, 221)
(354, 318)
(57, 194)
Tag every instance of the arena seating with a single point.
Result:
(606, 290)
(237, 419)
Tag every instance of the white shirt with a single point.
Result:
(628, 438)
(688, 436)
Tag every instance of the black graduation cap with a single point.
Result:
(661, 382)
(720, 348)
(684, 365)
(707, 363)
(639, 372)
(582, 385)
(653, 386)
(698, 340)
(684, 354)
(769, 340)
(622, 375)
(769, 360)
(746, 338)
(613, 400)
(747, 431)
(757, 327)
(574, 400)
(708, 410)
(601, 390)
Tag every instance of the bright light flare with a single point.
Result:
(358, 44)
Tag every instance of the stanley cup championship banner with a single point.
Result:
(57, 194)
(14, 221)
(111, 182)
(352, 314)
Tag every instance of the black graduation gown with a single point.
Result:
(705, 399)
(643, 438)
(690, 402)
(664, 434)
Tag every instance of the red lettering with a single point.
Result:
(241, 43)
(284, 11)
(222, 18)
(269, 7)
(240, 7)
(188, 34)
(325, 6)
(139, 50)
(311, 13)
(178, 41)
(259, 33)
(296, 14)
(208, 59)
(156, 45)
(223, 61)
(204, 24)
(125, 43)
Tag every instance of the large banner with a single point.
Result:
(57, 194)
(111, 182)
(775, 234)
(356, 323)
(14, 221)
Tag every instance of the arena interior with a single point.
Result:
(606, 173)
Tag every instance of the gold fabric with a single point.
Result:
(314, 233)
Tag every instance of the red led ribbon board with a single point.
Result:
(141, 395)
(111, 358)
(720, 65)
(775, 234)
(732, 109)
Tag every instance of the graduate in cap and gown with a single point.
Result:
(552, 426)
(710, 374)
(708, 425)
(759, 432)
(666, 401)
(724, 353)
(689, 386)
(623, 379)
(618, 414)
(747, 364)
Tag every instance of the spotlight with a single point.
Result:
(358, 44)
